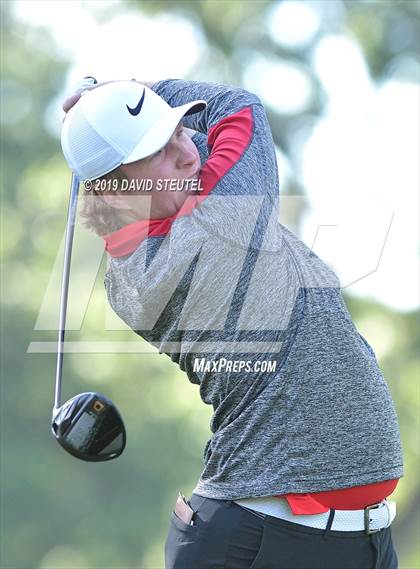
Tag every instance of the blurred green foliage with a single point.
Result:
(57, 512)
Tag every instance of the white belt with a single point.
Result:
(370, 520)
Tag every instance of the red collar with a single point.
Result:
(126, 239)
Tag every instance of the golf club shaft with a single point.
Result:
(68, 245)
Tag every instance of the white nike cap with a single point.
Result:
(118, 123)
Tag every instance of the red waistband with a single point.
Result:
(355, 498)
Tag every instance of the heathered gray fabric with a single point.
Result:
(230, 281)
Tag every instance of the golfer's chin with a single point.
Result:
(185, 195)
(191, 191)
(166, 208)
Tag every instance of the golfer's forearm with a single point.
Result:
(222, 100)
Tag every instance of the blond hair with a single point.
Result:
(96, 214)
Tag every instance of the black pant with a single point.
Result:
(228, 536)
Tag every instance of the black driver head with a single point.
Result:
(89, 427)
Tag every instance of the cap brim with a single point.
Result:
(162, 130)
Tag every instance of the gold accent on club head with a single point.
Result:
(98, 406)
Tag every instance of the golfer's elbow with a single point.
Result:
(248, 97)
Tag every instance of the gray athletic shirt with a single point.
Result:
(229, 281)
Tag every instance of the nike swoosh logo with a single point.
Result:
(135, 111)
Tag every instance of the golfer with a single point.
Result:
(181, 182)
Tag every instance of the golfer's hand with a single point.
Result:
(74, 97)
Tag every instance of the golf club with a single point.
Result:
(88, 425)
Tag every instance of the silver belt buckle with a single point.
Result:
(368, 530)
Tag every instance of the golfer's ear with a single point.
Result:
(115, 200)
